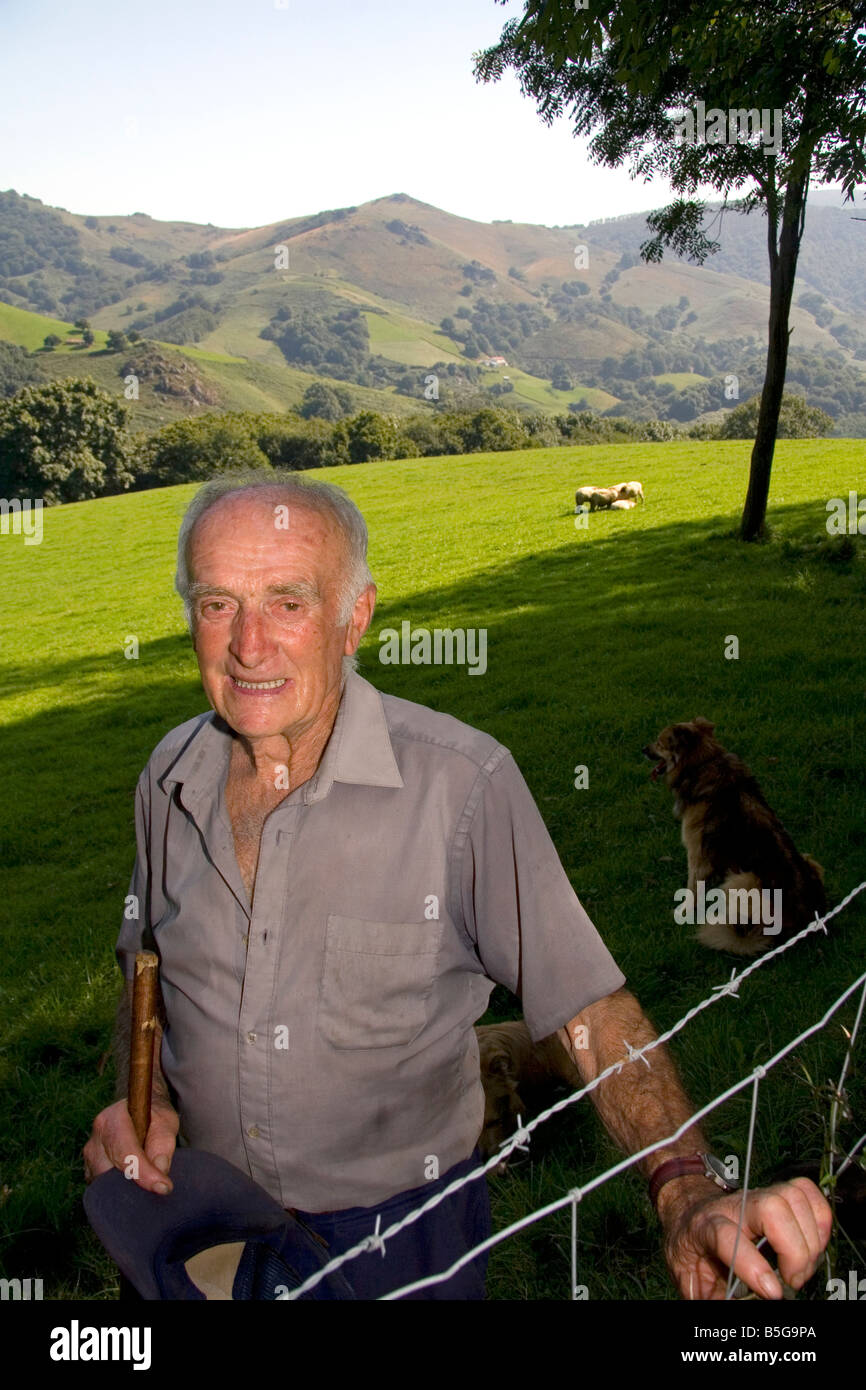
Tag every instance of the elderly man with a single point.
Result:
(333, 879)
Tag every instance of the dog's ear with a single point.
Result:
(703, 724)
(685, 738)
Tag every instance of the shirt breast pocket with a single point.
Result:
(377, 979)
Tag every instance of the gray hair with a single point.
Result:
(327, 499)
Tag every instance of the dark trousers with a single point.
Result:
(426, 1246)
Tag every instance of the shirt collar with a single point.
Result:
(358, 751)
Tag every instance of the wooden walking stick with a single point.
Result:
(141, 1041)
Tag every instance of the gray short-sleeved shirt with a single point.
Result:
(323, 1041)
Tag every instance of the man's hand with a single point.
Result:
(700, 1235)
(113, 1142)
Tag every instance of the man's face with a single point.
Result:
(265, 607)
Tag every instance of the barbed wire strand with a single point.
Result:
(849, 1157)
(839, 1096)
(758, 1075)
(523, 1132)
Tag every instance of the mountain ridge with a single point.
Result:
(378, 294)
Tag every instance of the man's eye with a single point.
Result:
(213, 603)
(291, 605)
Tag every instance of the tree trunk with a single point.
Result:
(783, 270)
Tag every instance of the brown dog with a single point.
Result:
(514, 1071)
(734, 843)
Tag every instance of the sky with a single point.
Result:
(245, 112)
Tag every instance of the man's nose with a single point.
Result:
(250, 639)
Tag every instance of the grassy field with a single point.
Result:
(596, 639)
(30, 331)
(680, 379)
(410, 341)
(534, 390)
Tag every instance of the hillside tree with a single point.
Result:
(64, 442)
(630, 77)
(192, 450)
(17, 369)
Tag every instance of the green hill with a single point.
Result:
(374, 296)
(223, 382)
(30, 330)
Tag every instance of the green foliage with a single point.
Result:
(797, 420)
(64, 442)
(290, 442)
(621, 71)
(496, 328)
(407, 232)
(189, 326)
(192, 450)
(128, 256)
(489, 430)
(189, 450)
(337, 342)
(17, 368)
(370, 436)
(117, 340)
(52, 340)
(34, 237)
(479, 274)
(326, 402)
(186, 319)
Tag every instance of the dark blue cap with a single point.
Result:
(216, 1227)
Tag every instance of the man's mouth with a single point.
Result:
(258, 685)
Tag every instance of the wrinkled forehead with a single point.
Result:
(266, 528)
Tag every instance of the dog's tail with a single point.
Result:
(741, 932)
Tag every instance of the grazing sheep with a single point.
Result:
(582, 496)
(601, 499)
(622, 505)
(632, 489)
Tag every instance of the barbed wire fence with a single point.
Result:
(377, 1240)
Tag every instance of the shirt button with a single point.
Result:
(245, 939)
(253, 1131)
(251, 1037)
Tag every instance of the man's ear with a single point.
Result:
(362, 616)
